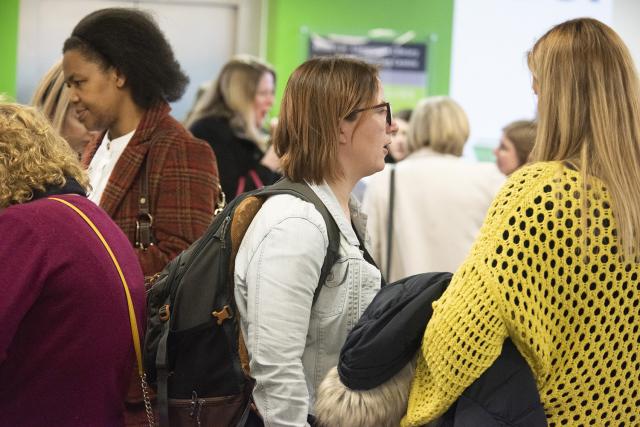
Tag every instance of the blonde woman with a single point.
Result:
(555, 267)
(229, 115)
(65, 343)
(440, 200)
(52, 98)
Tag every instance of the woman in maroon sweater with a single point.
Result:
(65, 343)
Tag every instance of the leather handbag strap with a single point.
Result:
(135, 334)
(144, 220)
(392, 191)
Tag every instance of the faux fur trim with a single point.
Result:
(383, 406)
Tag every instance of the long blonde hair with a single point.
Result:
(32, 155)
(52, 97)
(589, 113)
(231, 96)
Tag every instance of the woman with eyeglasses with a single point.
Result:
(334, 129)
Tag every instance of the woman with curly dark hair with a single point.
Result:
(121, 73)
(156, 180)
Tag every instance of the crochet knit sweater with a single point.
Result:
(555, 281)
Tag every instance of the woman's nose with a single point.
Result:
(73, 96)
(393, 127)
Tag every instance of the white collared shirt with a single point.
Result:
(103, 163)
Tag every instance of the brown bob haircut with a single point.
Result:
(319, 94)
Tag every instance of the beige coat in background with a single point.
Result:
(440, 203)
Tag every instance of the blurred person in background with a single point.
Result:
(52, 98)
(66, 347)
(230, 115)
(399, 148)
(439, 199)
(516, 143)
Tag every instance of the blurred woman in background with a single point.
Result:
(516, 143)
(230, 115)
(52, 98)
(399, 148)
(439, 200)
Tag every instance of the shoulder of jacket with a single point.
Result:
(282, 207)
(520, 191)
(173, 136)
(37, 214)
(531, 179)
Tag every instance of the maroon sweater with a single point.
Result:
(65, 342)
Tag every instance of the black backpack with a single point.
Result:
(193, 349)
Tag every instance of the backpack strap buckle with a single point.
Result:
(223, 314)
(164, 313)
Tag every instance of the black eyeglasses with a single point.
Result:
(384, 104)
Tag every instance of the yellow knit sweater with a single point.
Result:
(555, 281)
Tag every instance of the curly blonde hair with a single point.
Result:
(32, 155)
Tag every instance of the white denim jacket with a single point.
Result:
(292, 343)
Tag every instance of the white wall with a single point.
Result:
(489, 74)
(204, 34)
(626, 21)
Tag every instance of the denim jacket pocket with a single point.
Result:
(331, 299)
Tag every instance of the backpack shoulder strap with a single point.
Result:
(304, 192)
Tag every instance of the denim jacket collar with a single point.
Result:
(358, 218)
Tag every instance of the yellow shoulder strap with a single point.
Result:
(132, 314)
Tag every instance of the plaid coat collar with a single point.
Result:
(130, 162)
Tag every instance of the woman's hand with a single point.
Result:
(271, 159)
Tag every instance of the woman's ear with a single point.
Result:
(120, 78)
(346, 130)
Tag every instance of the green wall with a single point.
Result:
(290, 21)
(8, 46)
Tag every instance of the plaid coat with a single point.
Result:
(183, 186)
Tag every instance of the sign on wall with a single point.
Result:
(403, 67)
